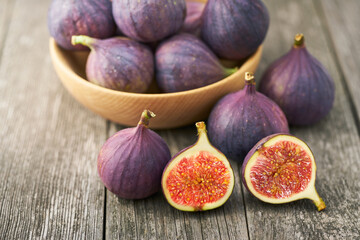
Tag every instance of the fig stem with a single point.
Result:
(318, 201)
(83, 40)
(229, 71)
(145, 117)
(250, 83)
(201, 129)
(299, 40)
(249, 78)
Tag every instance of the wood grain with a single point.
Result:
(341, 23)
(6, 9)
(154, 218)
(48, 143)
(334, 141)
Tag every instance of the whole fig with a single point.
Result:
(234, 29)
(74, 17)
(184, 62)
(192, 23)
(300, 85)
(239, 120)
(131, 162)
(149, 20)
(118, 63)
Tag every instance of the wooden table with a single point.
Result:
(49, 143)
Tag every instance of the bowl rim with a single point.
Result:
(59, 61)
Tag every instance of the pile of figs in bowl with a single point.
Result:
(117, 62)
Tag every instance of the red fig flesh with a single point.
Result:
(199, 177)
(280, 169)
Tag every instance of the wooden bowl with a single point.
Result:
(171, 109)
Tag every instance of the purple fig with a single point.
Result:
(149, 20)
(234, 29)
(192, 23)
(239, 120)
(184, 62)
(131, 162)
(300, 85)
(118, 63)
(73, 17)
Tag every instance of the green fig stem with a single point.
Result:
(229, 71)
(202, 135)
(318, 201)
(83, 40)
(299, 40)
(145, 117)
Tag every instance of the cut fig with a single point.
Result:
(199, 177)
(280, 169)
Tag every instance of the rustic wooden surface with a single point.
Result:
(49, 143)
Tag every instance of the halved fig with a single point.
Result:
(281, 168)
(199, 177)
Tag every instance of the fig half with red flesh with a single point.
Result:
(199, 177)
(280, 169)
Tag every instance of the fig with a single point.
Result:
(184, 62)
(192, 23)
(87, 17)
(239, 120)
(131, 162)
(279, 169)
(149, 20)
(300, 85)
(234, 29)
(118, 63)
(199, 177)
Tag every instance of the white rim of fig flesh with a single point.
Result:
(202, 144)
(308, 193)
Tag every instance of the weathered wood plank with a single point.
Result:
(341, 20)
(334, 142)
(49, 143)
(6, 9)
(154, 218)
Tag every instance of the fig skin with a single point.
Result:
(131, 162)
(149, 20)
(314, 196)
(74, 17)
(300, 85)
(184, 62)
(239, 120)
(118, 63)
(234, 29)
(192, 23)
